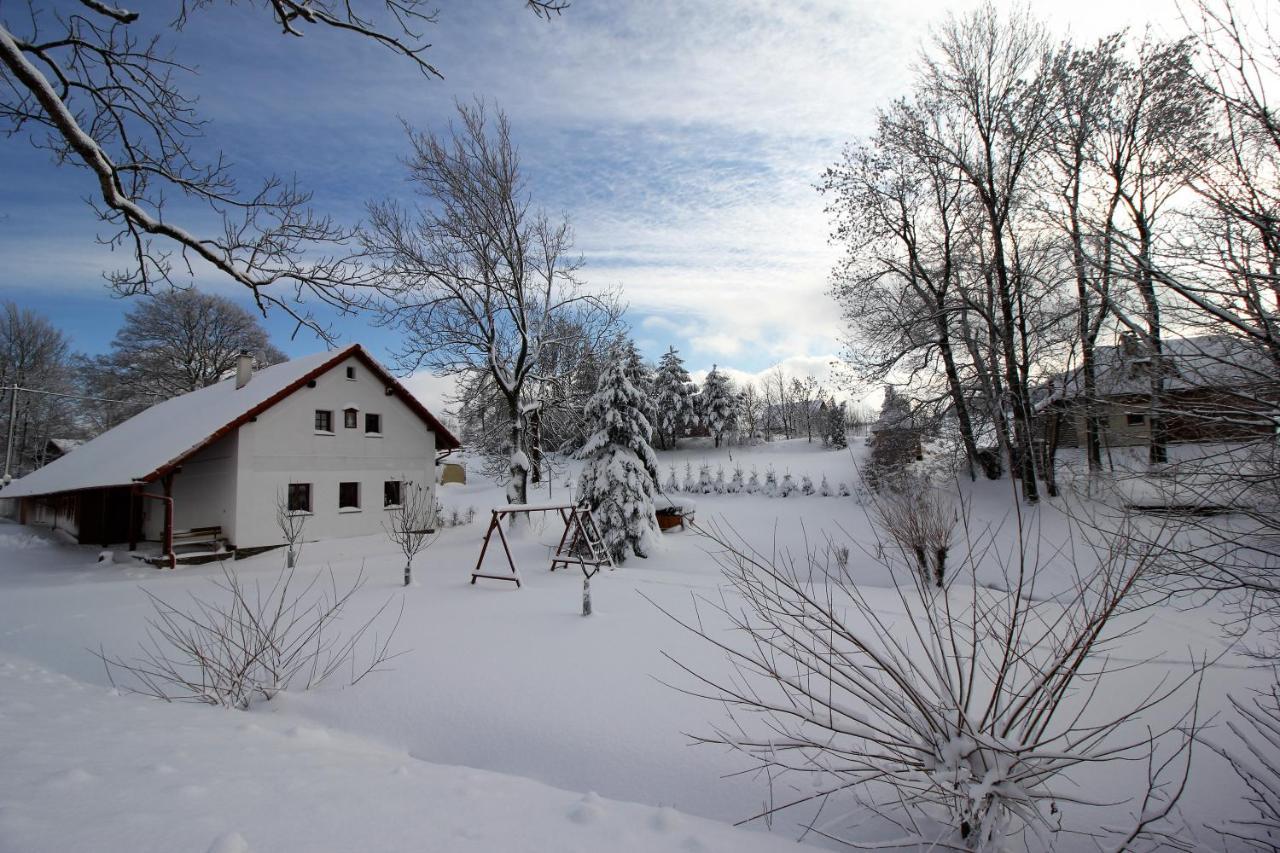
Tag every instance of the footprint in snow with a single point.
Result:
(309, 734)
(587, 810)
(231, 842)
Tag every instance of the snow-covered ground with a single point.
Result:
(510, 723)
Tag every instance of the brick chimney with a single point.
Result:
(244, 368)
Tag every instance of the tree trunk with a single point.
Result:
(586, 595)
(408, 572)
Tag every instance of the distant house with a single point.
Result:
(333, 436)
(56, 448)
(1216, 388)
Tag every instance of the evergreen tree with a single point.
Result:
(620, 474)
(718, 407)
(671, 398)
(837, 428)
(644, 378)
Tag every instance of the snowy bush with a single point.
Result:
(921, 519)
(753, 482)
(245, 642)
(825, 488)
(1256, 723)
(717, 485)
(843, 490)
(735, 485)
(704, 479)
(770, 488)
(788, 487)
(961, 727)
(806, 485)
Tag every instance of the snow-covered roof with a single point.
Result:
(65, 445)
(156, 439)
(1223, 362)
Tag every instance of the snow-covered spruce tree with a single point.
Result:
(671, 399)
(753, 483)
(837, 430)
(644, 377)
(620, 474)
(690, 484)
(770, 488)
(806, 485)
(704, 479)
(672, 485)
(719, 410)
(735, 482)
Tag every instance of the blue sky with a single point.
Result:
(683, 138)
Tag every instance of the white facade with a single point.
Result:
(235, 482)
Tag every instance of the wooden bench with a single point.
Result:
(198, 536)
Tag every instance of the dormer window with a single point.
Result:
(350, 418)
(351, 374)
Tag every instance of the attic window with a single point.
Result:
(351, 374)
(324, 420)
(350, 418)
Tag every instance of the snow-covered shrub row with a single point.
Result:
(455, 516)
(739, 482)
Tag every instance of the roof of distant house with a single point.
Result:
(157, 440)
(1224, 362)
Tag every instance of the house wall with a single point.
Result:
(204, 492)
(283, 447)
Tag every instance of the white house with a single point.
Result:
(334, 435)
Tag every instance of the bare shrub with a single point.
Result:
(1257, 732)
(291, 524)
(961, 721)
(414, 524)
(249, 642)
(921, 519)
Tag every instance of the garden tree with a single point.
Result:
(479, 281)
(179, 341)
(671, 398)
(751, 410)
(412, 521)
(34, 355)
(718, 410)
(808, 396)
(1147, 151)
(1087, 82)
(779, 407)
(984, 80)
(643, 376)
(1221, 272)
(903, 214)
(836, 427)
(620, 471)
(92, 83)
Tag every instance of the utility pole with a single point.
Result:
(8, 447)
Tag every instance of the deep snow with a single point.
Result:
(509, 682)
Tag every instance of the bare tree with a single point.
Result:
(964, 723)
(85, 82)
(481, 282)
(246, 642)
(292, 523)
(182, 341)
(35, 357)
(413, 524)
